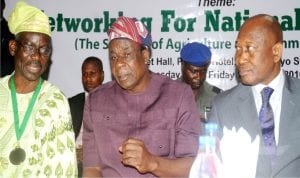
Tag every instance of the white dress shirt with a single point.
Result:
(79, 137)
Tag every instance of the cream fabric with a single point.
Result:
(48, 138)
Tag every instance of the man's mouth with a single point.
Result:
(244, 72)
(34, 67)
(123, 77)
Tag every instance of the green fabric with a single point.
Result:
(20, 127)
(48, 139)
(207, 94)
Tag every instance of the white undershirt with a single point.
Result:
(79, 138)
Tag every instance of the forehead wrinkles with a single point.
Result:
(194, 68)
(34, 38)
(90, 68)
(253, 35)
(258, 30)
(119, 45)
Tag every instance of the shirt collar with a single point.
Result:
(277, 84)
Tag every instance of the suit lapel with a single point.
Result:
(247, 109)
(289, 133)
(77, 113)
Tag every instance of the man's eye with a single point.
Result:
(45, 49)
(92, 73)
(28, 47)
(251, 48)
(113, 58)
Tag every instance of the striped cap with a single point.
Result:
(130, 28)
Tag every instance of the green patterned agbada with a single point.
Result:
(48, 139)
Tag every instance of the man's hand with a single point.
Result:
(135, 154)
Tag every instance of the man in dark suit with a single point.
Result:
(241, 113)
(6, 59)
(92, 77)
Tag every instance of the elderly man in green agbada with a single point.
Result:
(36, 136)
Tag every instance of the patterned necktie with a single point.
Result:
(266, 118)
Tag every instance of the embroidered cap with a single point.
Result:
(130, 28)
(26, 18)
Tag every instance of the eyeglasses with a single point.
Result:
(30, 50)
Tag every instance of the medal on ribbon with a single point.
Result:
(18, 155)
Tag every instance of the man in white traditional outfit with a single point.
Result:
(36, 135)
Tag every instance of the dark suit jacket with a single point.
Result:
(76, 106)
(236, 107)
(6, 60)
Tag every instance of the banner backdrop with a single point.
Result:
(79, 30)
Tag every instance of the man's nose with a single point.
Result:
(36, 54)
(242, 57)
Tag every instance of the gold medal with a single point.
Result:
(17, 156)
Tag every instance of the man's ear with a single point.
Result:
(277, 51)
(12, 45)
(146, 54)
(102, 76)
